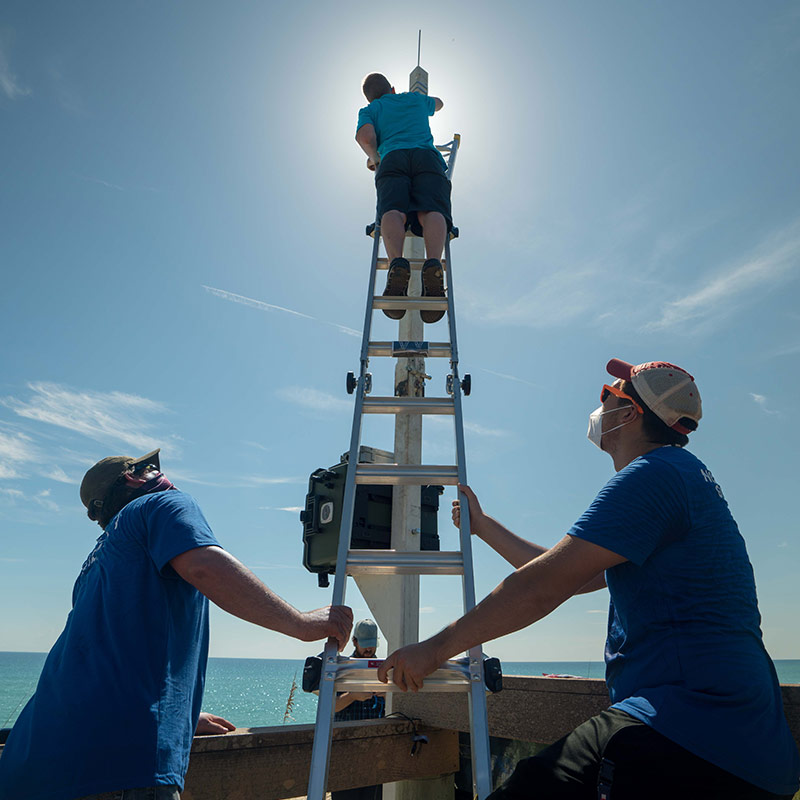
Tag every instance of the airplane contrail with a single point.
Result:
(262, 306)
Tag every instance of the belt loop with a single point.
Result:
(605, 779)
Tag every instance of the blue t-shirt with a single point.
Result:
(400, 121)
(120, 692)
(684, 652)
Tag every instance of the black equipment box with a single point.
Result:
(372, 519)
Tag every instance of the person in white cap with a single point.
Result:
(351, 706)
(361, 705)
(119, 695)
(696, 706)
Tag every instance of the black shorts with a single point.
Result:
(646, 766)
(411, 181)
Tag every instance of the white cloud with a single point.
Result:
(262, 306)
(769, 266)
(10, 85)
(427, 610)
(786, 350)
(58, 474)
(761, 401)
(257, 445)
(556, 299)
(17, 447)
(480, 430)
(472, 427)
(100, 182)
(258, 480)
(597, 611)
(106, 417)
(43, 499)
(507, 377)
(40, 498)
(314, 399)
(180, 476)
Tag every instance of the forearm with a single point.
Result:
(518, 551)
(343, 701)
(229, 584)
(514, 549)
(525, 596)
(512, 605)
(368, 141)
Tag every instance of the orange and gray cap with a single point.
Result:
(104, 474)
(668, 391)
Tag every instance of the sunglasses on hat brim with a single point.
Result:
(606, 390)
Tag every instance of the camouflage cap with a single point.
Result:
(103, 475)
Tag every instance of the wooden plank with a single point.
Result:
(273, 763)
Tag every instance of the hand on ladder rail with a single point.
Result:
(410, 665)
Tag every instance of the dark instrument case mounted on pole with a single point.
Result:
(372, 520)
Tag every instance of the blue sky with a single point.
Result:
(182, 207)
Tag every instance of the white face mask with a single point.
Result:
(595, 433)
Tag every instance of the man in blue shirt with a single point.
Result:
(132, 656)
(411, 182)
(696, 706)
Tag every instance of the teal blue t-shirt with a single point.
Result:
(400, 121)
(684, 651)
(120, 692)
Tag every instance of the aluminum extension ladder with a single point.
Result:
(332, 672)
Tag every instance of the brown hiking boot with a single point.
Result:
(432, 286)
(397, 285)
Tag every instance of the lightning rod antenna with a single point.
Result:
(419, 45)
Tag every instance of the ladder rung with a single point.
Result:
(406, 474)
(415, 562)
(435, 350)
(358, 677)
(416, 263)
(397, 303)
(408, 405)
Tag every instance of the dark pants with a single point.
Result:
(630, 760)
(410, 181)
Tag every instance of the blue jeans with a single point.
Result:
(146, 793)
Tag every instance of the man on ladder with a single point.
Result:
(389, 579)
(411, 182)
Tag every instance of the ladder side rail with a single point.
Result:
(320, 752)
(479, 719)
(461, 462)
(376, 242)
(451, 158)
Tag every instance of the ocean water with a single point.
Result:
(252, 692)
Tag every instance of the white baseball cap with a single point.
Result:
(365, 633)
(668, 391)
